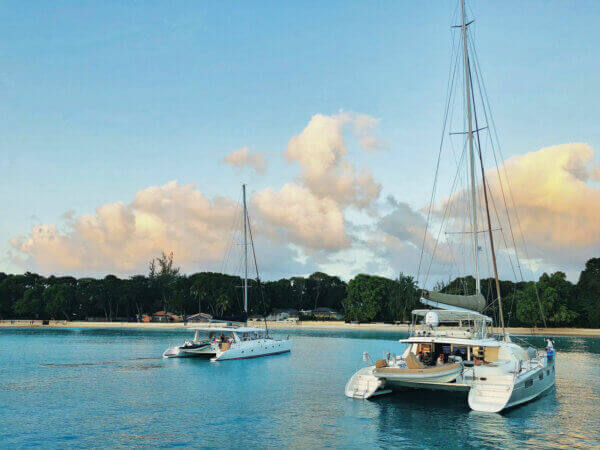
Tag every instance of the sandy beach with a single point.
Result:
(307, 325)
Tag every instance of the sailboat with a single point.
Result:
(233, 341)
(452, 347)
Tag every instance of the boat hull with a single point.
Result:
(189, 352)
(253, 349)
(489, 393)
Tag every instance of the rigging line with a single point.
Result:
(486, 105)
(502, 232)
(448, 97)
(513, 203)
(443, 219)
(237, 270)
(262, 291)
(485, 242)
(230, 238)
(483, 92)
(498, 293)
(445, 215)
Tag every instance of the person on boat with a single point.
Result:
(440, 360)
(550, 349)
(420, 356)
(428, 361)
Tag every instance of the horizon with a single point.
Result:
(130, 130)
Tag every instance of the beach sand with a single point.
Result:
(306, 325)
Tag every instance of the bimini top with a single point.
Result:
(446, 315)
(229, 329)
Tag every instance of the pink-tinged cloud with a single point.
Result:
(558, 207)
(321, 151)
(123, 238)
(309, 221)
(242, 158)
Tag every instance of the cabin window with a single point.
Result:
(529, 383)
(547, 372)
(541, 375)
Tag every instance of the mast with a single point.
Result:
(471, 153)
(245, 251)
(487, 207)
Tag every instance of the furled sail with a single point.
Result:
(471, 302)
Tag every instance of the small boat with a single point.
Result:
(196, 347)
(230, 342)
(247, 342)
(234, 341)
(414, 370)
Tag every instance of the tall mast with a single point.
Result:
(245, 252)
(471, 153)
(489, 220)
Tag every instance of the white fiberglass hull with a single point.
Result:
(489, 393)
(253, 348)
(496, 395)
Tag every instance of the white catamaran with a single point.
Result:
(236, 341)
(453, 347)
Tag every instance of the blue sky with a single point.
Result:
(103, 99)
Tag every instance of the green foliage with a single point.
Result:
(404, 297)
(60, 299)
(587, 298)
(365, 298)
(31, 305)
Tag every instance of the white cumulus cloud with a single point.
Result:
(243, 158)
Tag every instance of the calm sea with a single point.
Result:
(106, 388)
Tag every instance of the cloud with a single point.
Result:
(558, 207)
(299, 226)
(321, 151)
(397, 238)
(304, 219)
(243, 158)
(123, 238)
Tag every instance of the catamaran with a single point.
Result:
(453, 347)
(235, 340)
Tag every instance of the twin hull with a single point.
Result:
(488, 394)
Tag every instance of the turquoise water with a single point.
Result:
(105, 388)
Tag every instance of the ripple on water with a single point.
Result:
(112, 388)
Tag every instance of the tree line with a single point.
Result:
(365, 298)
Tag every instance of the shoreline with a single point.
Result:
(306, 325)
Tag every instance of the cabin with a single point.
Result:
(283, 314)
(165, 316)
(199, 317)
(327, 313)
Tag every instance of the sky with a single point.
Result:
(128, 128)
